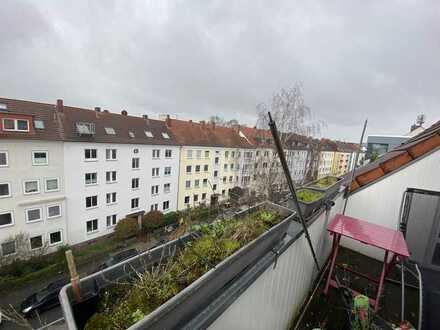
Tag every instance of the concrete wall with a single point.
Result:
(21, 168)
(76, 191)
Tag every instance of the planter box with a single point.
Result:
(308, 208)
(190, 301)
(329, 191)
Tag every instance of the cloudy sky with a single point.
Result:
(194, 59)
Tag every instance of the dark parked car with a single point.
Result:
(118, 257)
(44, 299)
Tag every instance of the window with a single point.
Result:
(196, 198)
(110, 154)
(6, 219)
(189, 154)
(205, 168)
(232, 154)
(34, 215)
(207, 154)
(165, 135)
(231, 166)
(167, 187)
(111, 220)
(31, 187)
(39, 124)
(224, 179)
(110, 176)
(135, 183)
(205, 182)
(230, 178)
(148, 134)
(53, 211)
(226, 154)
(55, 238)
(155, 172)
(197, 183)
(40, 158)
(91, 201)
(203, 196)
(168, 153)
(111, 198)
(197, 168)
(167, 170)
(215, 174)
(199, 154)
(91, 178)
(135, 203)
(109, 130)
(5, 190)
(8, 248)
(216, 160)
(52, 185)
(188, 169)
(92, 226)
(166, 205)
(188, 184)
(225, 167)
(156, 153)
(135, 163)
(154, 207)
(131, 134)
(36, 242)
(20, 125)
(3, 158)
(223, 192)
(214, 187)
(154, 190)
(90, 154)
(186, 200)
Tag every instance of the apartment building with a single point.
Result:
(116, 166)
(32, 187)
(326, 157)
(211, 159)
(67, 175)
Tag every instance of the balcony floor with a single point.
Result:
(328, 312)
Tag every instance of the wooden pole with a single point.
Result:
(74, 277)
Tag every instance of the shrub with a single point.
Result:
(126, 228)
(155, 219)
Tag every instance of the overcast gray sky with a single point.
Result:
(194, 59)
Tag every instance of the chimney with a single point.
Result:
(97, 109)
(106, 111)
(145, 116)
(124, 112)
(168, 121)
(60, 105)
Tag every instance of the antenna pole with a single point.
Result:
(276, 138)
(354, 167)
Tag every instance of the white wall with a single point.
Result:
(76, 190)
(276, 296)
(380, 202)
(21, 168)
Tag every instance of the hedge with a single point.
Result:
(126, 228)
(151, 222)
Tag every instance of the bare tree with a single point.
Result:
(219, 121)
(297, 128)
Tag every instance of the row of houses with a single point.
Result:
(68, 174)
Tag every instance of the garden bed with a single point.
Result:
(309, 200)
(174, 281)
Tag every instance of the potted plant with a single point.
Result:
(309, 200)
(165, 287)
(328, 185)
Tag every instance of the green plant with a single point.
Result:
(124, 304)
(326, 182)
(126, 228)
(308, 196)
(152, 220)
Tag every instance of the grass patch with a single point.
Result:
(308, 195)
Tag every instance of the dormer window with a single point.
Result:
(18, 125)
(109, 130)
(85, 128)
(39, 124)
(165, 135)
(131, 134)
(149, 134)
(3, 107)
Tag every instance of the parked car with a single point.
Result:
(44, 299)
(118, 257)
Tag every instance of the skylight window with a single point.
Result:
(165, 135)
(110, 130)
(39, 124)
(131, 134)
(3, 107)
(149, 134)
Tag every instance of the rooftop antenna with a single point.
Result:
(421, 119)
(354, 167)
(281, 155)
